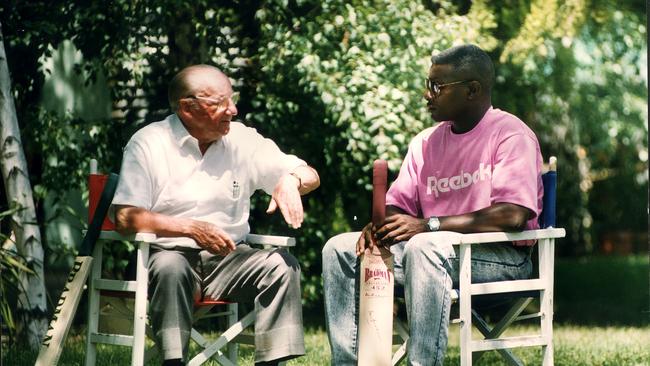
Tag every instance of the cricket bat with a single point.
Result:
(52, 344)
(376, 285)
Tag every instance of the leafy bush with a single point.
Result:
(339, 83)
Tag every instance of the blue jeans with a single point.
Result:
(427, 267)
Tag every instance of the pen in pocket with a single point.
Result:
(235, 189)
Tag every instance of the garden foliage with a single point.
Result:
(340, 83)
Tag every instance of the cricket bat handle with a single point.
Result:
(379, 186)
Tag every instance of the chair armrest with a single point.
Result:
(448, 237)
(496, 237)
(278, 241)
(114, 235)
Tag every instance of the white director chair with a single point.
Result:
(115, 291)
(523, 291)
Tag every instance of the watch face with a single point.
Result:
(434, 223)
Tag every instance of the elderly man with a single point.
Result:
(479, 170)
(188, 179)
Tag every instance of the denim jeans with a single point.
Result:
(427, 267)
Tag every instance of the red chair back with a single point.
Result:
(96, 183)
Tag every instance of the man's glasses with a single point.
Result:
(435, 88)
(220, 102)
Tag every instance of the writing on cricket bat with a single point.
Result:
(64, 312)
(376, 308)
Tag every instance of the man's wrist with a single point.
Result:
(433, 224)
(298, 178)
(190, 228)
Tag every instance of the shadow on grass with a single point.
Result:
(594, 292)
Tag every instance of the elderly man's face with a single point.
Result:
(445, 92)
(207, 113)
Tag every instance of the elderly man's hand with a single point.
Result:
(287, 197)
(212, 238)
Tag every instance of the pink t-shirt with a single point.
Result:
(445, 173)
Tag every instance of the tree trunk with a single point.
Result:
(32, 305)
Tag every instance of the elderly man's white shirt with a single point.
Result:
(163, 171)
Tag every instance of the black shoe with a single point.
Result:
(173, 362)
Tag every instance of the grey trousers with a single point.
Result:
(270, 279)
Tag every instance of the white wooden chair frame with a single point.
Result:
(544, 283)
(139, 286)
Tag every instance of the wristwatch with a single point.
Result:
(433, 224)
(297, 177)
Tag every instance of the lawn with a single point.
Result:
(607, 296)
(574, 346)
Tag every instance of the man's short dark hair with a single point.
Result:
(470, 60)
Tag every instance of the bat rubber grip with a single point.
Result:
(95, 226)
(379, 186)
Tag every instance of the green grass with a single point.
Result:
(608, 296)
(574, 346)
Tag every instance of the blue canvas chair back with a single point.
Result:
(547, 217)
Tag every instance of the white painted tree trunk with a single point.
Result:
(32, 306)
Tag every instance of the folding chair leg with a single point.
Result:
(512, 314)
(225, 338)
(465, 304)
(140, 307)
(403, 333)
(484, 328)
(546, 264)
(93, 306)
(232, 320)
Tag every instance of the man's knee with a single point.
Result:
(285, 265)
(169, 267)
(341, 244)
(421, 246)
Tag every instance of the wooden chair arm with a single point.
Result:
(496, 237)
(277, 241)
(139, 237)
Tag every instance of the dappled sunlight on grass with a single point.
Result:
(574, 346)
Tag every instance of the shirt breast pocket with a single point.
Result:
(229, 200)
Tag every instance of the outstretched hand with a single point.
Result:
(287, 197)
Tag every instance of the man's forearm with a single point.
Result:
(498, 217)
(131, 219)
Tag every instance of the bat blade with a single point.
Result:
(66, 308)
(376, 285)
(52, 345)
(376, 308)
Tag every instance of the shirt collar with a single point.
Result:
(180, 133)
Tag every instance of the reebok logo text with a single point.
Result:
(456, 182)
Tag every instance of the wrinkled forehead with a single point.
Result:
(208, 83)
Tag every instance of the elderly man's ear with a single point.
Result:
(186, 105)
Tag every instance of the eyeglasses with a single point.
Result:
(435, 88)
(221, 102)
